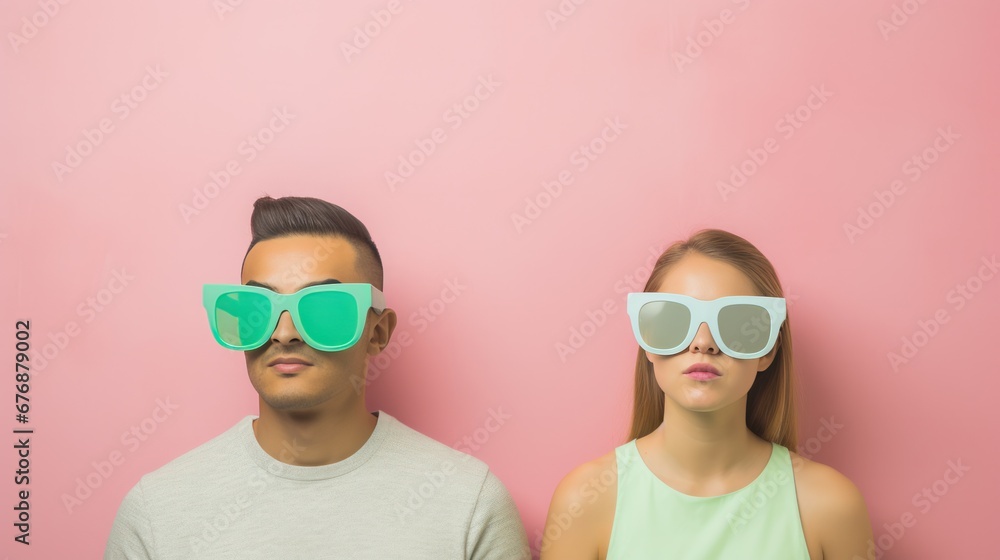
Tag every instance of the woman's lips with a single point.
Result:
(702, 372)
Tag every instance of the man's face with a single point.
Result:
(286, 265)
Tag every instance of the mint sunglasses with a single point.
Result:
(330, 317)
(744, 327)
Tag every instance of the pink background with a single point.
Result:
(555, 84)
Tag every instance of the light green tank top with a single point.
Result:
(759, 521)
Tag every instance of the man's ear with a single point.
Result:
(382, 330)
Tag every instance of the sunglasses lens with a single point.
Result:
(664, 324)
(330, 318)
(744, 327)
(241, 317)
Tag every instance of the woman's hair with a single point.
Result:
(302, 215)
(770, 402)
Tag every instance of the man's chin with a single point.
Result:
(291, 402)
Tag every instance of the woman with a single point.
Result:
(709, 471)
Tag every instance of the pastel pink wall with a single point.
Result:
(838, 97)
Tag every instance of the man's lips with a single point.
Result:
(288, 364)
(288, 360)
(702, 372)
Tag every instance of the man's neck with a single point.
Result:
(314, 437)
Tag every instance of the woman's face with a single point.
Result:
(706, 278)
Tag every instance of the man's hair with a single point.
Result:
(300, 215)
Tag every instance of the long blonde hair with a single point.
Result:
(771, 400)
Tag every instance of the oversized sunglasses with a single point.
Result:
(330, 317)
(744, 327)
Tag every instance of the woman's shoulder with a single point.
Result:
(583, 507)
(590, 487)
(833, 511)
(822, 487)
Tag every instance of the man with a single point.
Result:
(316, 475)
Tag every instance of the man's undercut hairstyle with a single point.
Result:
(299, 215)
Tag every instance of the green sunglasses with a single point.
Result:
(330, 317)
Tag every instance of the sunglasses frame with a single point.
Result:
(703, 311)
(365, 296)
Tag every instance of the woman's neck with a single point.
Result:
(706, 444)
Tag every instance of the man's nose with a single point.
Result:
(285, 332)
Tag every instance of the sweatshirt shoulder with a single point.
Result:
(212, 455)
(424, 452)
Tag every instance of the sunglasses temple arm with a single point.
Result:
(378, 300)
